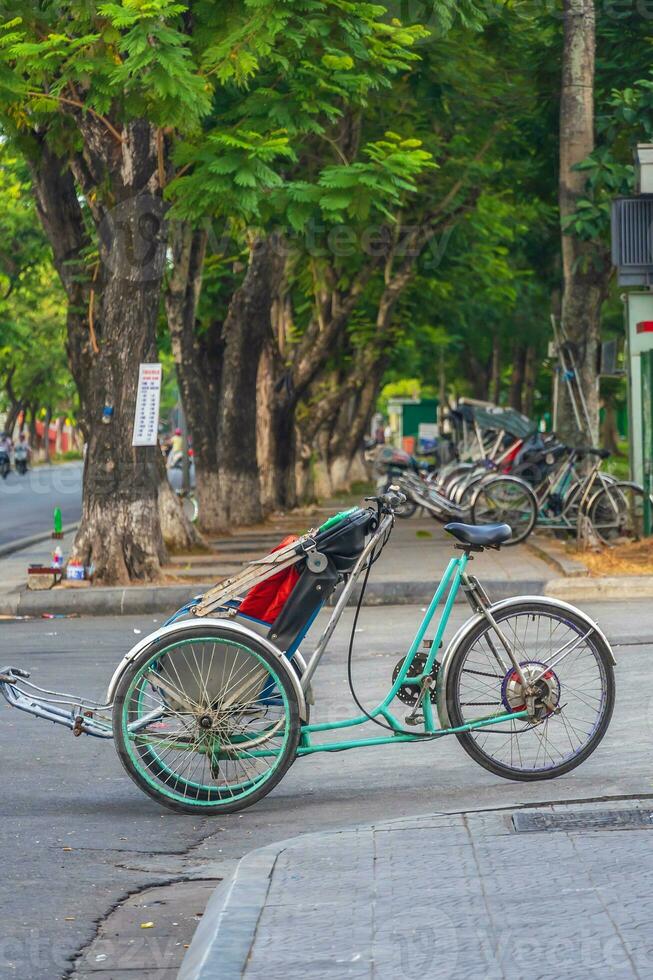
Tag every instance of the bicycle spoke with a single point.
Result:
(219, 720)
(558, 655)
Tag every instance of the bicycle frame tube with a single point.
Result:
(449, 586)
(556, 482)
(381, 532)
(561, 484)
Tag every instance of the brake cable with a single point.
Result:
(381, 724)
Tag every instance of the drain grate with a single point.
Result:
(581, 820)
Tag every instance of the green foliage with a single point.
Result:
(389, 171)
(330, 120)
(262, 155)
(129, 60)
(32, 306)
(405, 388)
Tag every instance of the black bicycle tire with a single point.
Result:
(531, 496)
(456, 716)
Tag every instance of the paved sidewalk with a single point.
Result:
(407, 572)
(452, 896)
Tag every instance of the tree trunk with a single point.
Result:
(495, 383)
(15, 403)
(530, 377)
(609, 429)
(517, 377)
(346, 444)
(199, 362)
(246, 328)
(442, 392)
(120, 532)
(478, 375)
(15, 408)
(277, 438)
(584, 264)
(31, 424)
(46, 433)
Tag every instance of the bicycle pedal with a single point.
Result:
(414, 719)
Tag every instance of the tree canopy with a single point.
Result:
(297, 202)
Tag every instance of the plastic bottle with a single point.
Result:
(57, 558)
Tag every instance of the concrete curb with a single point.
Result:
(588, 589)
(223, 939)
(102, 600)
(21, 543)
(144, 599)
(555, 554)
(222, 942)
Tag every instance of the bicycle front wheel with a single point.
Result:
(568, 663)
(206, 721)
(505, 500)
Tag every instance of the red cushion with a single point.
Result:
(266, 600)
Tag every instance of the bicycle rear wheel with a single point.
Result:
(570, 664)
(206, 721)
(617, 513)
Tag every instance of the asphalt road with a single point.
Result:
(77, 836)
(27, 502)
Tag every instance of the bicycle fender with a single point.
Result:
(628, 484)
(225, 624)
(464, 631)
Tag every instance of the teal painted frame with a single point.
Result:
(451, 580)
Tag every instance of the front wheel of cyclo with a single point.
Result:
(567, 661)
(205, 721)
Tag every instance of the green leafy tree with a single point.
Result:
(99, 96)
(34, 378)
(285, 156)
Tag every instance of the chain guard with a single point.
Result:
(409, 693)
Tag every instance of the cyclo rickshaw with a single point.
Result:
(210, 711)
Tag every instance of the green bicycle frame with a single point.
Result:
(449, 586)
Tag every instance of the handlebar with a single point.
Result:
(389, 501)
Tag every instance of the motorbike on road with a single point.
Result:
(5, 464)
(20, 459)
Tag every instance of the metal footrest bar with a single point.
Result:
(79, 716)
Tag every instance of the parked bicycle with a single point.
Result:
(514, 474)
(557, 494)
(209, 712)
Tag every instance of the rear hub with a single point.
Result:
(544, 689)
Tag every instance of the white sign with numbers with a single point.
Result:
(146, 417)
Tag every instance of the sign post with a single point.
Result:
(148, 398)
(647, 433)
